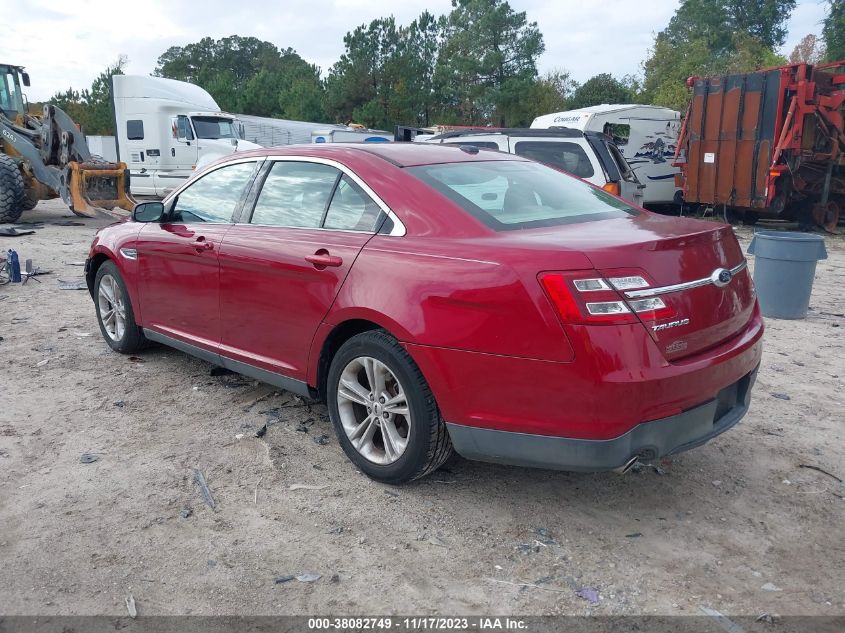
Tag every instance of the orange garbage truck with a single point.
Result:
(769, 143)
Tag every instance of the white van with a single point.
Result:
(590, 156)
(646, 135)
(165, 129)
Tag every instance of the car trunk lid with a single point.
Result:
(682, 260)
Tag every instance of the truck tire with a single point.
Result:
(29, 203)
(12, 192)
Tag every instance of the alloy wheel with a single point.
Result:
(112, 307)
(374, 410)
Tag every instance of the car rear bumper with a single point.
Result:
(647, 441)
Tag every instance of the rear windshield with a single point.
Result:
(507, 195)
(565, 155)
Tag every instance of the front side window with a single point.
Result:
(215, 196)
(352, 209)
(570, 157)
(295, 194)
(182, 129)
(507, 195)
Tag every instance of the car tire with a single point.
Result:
(114, 311)
(388, 442)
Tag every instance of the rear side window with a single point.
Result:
(570, 157)
(507, 195)
(215, 196)
(135, 130)
(352, 209)
(295, 195)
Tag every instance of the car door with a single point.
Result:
(282, 266)
(179, 282)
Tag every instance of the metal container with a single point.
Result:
(784, 269)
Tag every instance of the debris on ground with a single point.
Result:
(728, 625)
(780, 396)
(545, 537)
(390, 492)
(770, 587)
(322, 440)
(634, 535)
(119, 403)
(282, 579)
(436, 540)
(130, 606)
(308, 577)
(588, 593)
(305, 487)
(14, 232)
(262, 431)
(131, 359)
(186, 512)
(73, 285)
(206, 493)
(88, 458)
(821, 470)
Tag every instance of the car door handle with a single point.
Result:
(321, 259)
(200, 244)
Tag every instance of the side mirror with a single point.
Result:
(25, 79)
(148, 212)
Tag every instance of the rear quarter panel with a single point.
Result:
(454, 294)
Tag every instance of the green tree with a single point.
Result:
(248, 75)
(603, 88)
(488, 56)
(834, 31)
(707, 37)
(91, 108)
(810, 50)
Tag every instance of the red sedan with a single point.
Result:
(439, 296)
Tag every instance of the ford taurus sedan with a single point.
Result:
(441, 297)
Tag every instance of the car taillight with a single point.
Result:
(612, 187)
(584, 298)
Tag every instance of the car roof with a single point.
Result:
(563, 132)
(399, 154)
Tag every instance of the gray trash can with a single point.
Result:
(784, 269)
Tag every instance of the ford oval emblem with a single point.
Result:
(721, 277)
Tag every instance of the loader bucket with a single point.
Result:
(99, 187)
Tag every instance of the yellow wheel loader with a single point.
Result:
(43, 157)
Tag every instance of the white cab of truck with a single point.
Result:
(166, 129)
(646, 135)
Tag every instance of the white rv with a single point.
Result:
(350, 135)
(646, 135)
(165, 129)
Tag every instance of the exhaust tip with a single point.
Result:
(626, 467)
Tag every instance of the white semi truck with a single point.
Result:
(645, 134)
(166, 129)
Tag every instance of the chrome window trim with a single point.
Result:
(653, 292)
(398, 227)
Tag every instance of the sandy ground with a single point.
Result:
(738, 525)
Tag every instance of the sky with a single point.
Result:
(67, 44)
